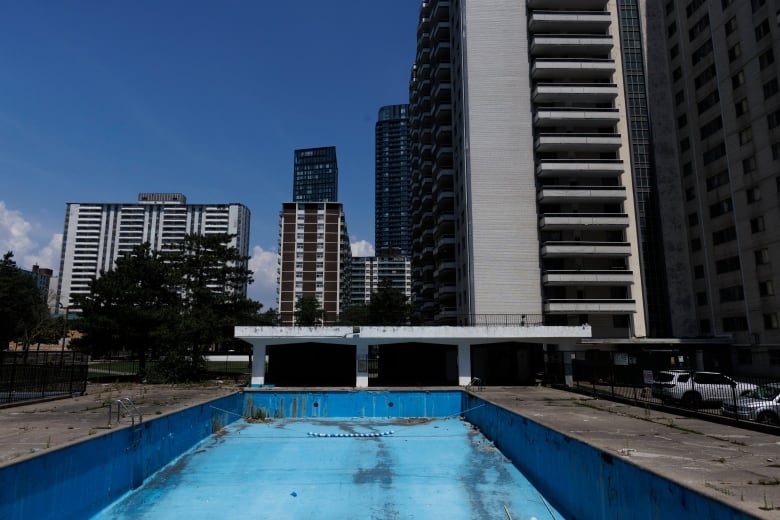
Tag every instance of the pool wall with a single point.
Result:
(582, 481)
(79, 480)
(363, 403)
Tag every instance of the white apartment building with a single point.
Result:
(96, 234)
(522, 190)
(368, 272)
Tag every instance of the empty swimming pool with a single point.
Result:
(339, 468)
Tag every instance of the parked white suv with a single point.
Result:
(692, 389)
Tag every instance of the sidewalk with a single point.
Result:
(737, 466)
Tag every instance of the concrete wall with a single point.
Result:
(583, 482)
(80, 480)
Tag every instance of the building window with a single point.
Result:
(727, 265)
(710, 127)
(770, 88)
(714, 153)
(676, 74)
(734, 323)
(774, 357)
(773, 119)
(679, 97)
(671, 29)
(757, 224)
(690, 194)
(724, 235)
(755, 5)
(731, 294)
(721, 207)
(731, 25)
(735, 52)
(701, 298)
(699, 27)
(762, 29)
(693, 219)
(695, 244)
(684, 145)
(669, 7)
(745, 136)
(738, 79)
(704, 326)
(753, 194)
(674, 51)
(725, 3)
(687, 169)
(702, 52)
(762, 256)
(766, 59)
(744, 356)
(766, 288)
(708, 101)
(741, 107)
(705, 76)
(776, 151)
(698, 271)
(749, 164)
(719, 179)
(770, 321)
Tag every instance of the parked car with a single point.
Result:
(692, 389)
(761, 405)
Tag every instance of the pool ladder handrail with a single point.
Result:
(475, 383)
(124, 404)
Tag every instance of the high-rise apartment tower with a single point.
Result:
(316, 175)
(96, 234)
(522, 192)
(391, 210)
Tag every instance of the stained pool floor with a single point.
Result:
(339, 469)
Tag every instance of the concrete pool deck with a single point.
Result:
(737, 466)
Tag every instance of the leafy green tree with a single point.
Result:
(354, 315)
(210, 278)
(309, 312)
(389, 306)
(128, 307)
(23, 311)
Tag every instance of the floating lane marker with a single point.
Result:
(375, 434)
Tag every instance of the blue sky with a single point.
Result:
(102, 100)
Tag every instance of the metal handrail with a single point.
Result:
(124, 404)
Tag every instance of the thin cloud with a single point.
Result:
(361, 247)
(14, 232)
(263, 264)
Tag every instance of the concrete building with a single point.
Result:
(314, 254)
(368, 272)
(522, 188)
(391, 201)
(316, 175)
(717, 69)
(96, 234)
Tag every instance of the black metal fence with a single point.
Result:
(641, 379)
(37, 375)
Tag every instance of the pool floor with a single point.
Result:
(339, 469)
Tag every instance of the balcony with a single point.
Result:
(562, 249)
(567, 45)
(560, 221)
(588, 278)
(576, 69)
(589, 306)
(582, 168)
(581, 22)
(596, 194)
(574, 93)
(571, 142)
(567, 4)
(581, 117)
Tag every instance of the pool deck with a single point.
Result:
(737, 466)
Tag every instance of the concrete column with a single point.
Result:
(258, 365)
(464, 364)
(361, 365)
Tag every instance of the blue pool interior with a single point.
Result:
(338, 468)
(576, 480)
